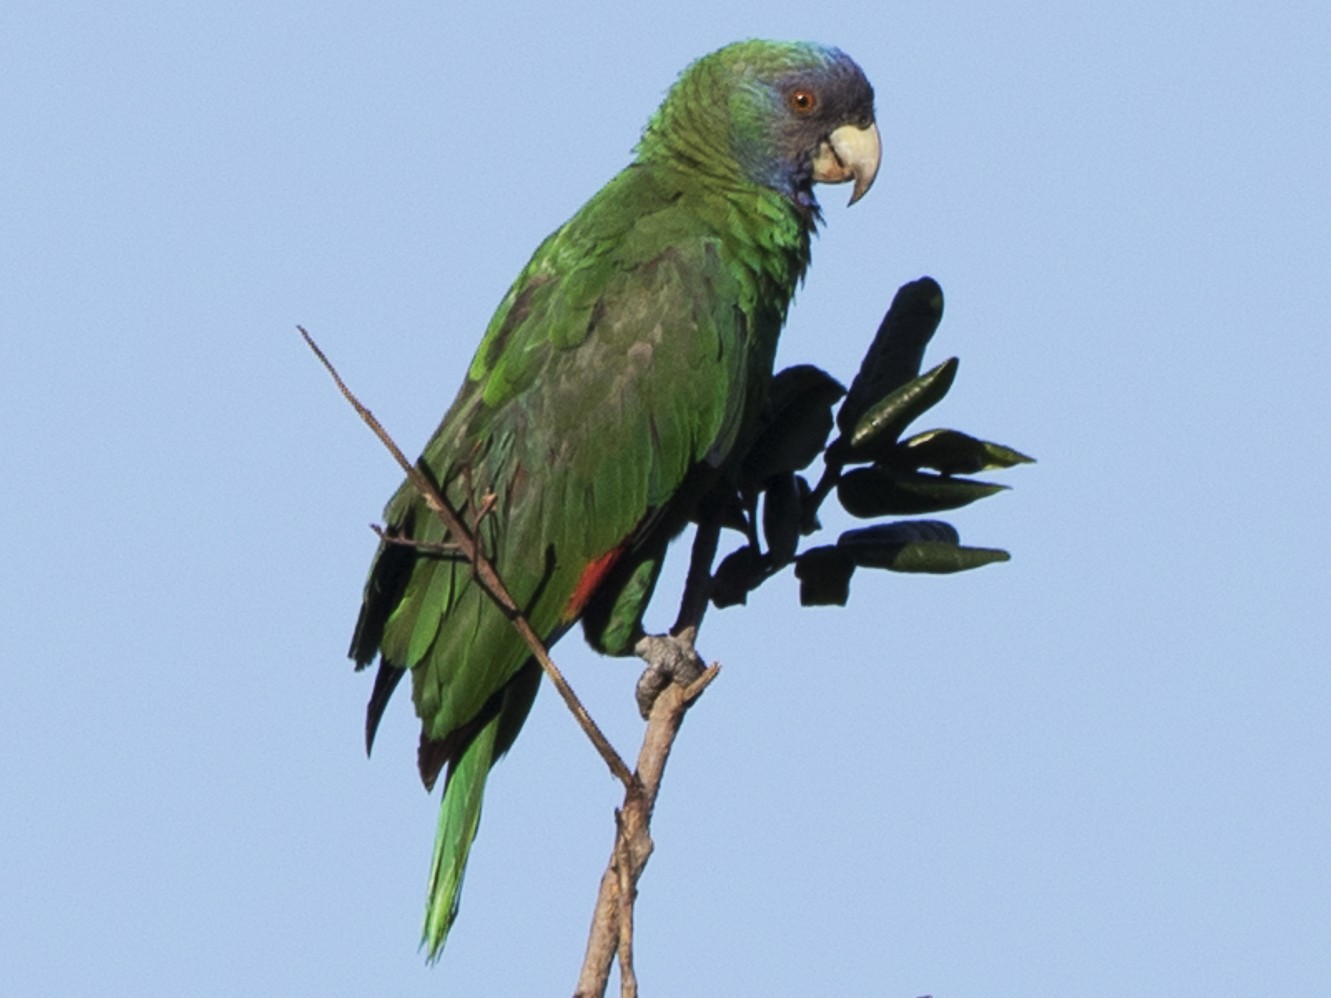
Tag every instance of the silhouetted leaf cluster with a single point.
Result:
(873, 471)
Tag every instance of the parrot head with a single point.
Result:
(784, 115)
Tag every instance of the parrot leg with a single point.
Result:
(670, 658)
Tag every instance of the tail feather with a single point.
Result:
(459, 816)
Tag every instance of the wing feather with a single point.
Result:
(616, 363)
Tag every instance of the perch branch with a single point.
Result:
(612, 919)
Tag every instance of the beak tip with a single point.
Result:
(869, 148)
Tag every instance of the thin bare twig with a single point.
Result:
(485, 573)
(443, 550)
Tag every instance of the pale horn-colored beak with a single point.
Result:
(850, 153)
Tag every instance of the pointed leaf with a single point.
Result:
(932, 557)
(877, 430)
(796, 423)
(824, 574)
(897, 350)
(954, 453)
(879, 491)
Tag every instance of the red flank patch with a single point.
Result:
(591, 578)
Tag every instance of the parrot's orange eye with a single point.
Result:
(802, 101)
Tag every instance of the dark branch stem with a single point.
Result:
(831, 474)
(485, 573)
(698, 584)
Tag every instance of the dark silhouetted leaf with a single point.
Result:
(796, 423)
(824, 574)
(954, 453)
(897, 351)
(936, 558)
(781, 517)
(914, 546)
(900, 532)
(879, 491)
(877, 430)
(739, 572)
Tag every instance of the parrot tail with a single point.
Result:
(459, 816)
(464, 790)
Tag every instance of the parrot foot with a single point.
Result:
(670, 658)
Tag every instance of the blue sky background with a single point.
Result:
(1100, 769)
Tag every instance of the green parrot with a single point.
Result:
(622, 372)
